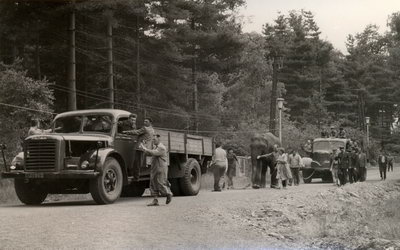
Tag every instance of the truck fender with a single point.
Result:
(101, 159)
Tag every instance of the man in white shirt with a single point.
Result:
(219, 164)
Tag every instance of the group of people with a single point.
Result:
(348, 166)
(334, 133)
(287, 166)
(223, 164)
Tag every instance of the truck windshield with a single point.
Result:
(327, 145)
(69, 124)
(90, 123)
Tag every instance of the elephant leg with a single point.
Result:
(264, 168)
(256, 175)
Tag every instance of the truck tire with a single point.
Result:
(107, 187)
(190, 183)
(135, 189)
(29, 193)
(175, 186)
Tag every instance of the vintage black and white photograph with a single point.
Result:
(200, 124)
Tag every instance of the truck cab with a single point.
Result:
(322, 149)
(86, 152)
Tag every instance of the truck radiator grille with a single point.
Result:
(40, 155)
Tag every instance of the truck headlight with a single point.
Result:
(84, 164)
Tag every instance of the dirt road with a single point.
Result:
(230, 219)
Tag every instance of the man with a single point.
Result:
(342, 133)
(219, 165)
(232, 161)
(382, 161)
(333, 133)
(145, 135)
(334, 163)
(344, 162)
(295, 164)
(128, 125)
(353, 165)
(390, 160)
(362, 166)
(159, 184)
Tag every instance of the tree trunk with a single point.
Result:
(72, 63)
(110, 62)
(272, 116)
(37, 62)
(194, 83)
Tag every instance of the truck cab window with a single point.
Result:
(123, 125)
(98, 123)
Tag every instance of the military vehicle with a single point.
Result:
(86, 152)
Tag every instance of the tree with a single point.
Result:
(23, 99)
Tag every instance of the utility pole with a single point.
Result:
(110, 60)
(139, 97)
(72, 62)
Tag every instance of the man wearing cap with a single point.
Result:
(145, 136)
(159, 184)
(344, 162)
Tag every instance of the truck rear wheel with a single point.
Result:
(107, 187)
(190, 183)
(29, 193)
(135, 189)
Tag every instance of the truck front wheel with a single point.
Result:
(190, 183)
(107, 187)
(29, 193)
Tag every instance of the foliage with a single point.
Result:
(20, 90)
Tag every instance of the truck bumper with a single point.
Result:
(78, 174)
(317, 172)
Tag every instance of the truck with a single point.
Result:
(320, 158)
(87, 152)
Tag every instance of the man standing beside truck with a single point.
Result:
(145, 135)
(159, 171)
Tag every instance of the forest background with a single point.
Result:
(189, 66)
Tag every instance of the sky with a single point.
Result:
(335, 18)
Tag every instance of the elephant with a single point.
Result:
(261, 145)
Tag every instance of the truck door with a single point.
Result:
(125, 144)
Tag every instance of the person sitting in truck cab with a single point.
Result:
(333, 133)
(127, 124)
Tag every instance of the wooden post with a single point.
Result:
(72, 63)
(110, 61)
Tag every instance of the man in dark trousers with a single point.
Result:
(159, 184)
(353, 173)
(362, 165)
(219, 165)
(344, 161)
(382, 161)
